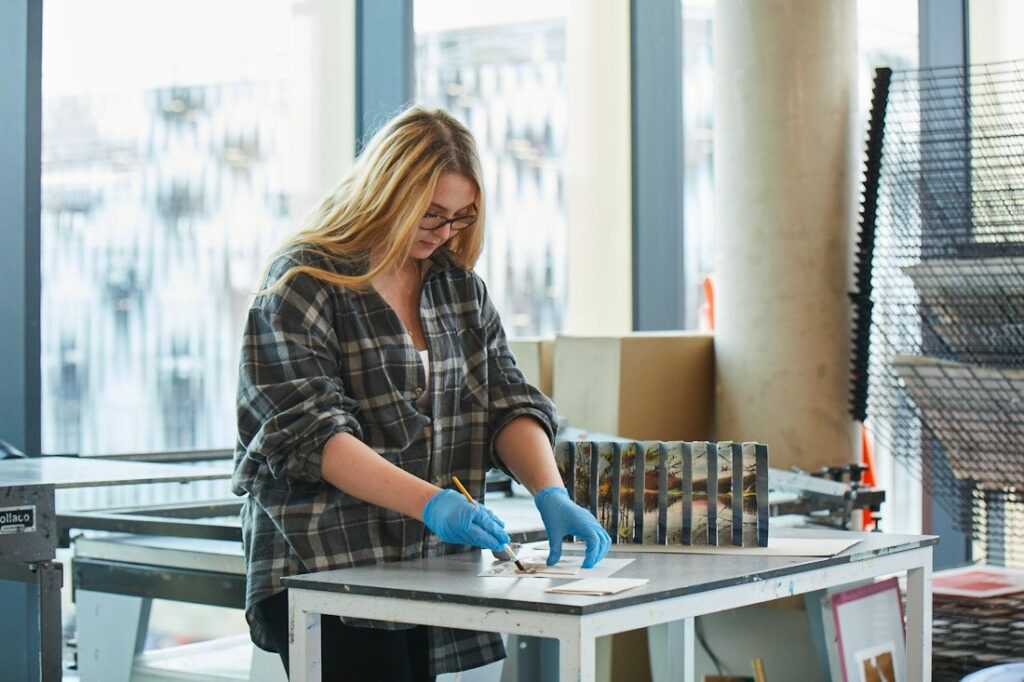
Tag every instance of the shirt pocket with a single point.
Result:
(383, 378)
(396, 427)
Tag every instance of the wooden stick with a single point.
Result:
(759, 675)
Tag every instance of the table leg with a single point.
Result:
(919, 620)
(304, 641)
(688, 655)
(102, 619)
(50, 576)
(577, 657)
(671, 650)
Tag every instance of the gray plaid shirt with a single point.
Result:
(318, 360)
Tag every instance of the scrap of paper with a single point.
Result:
(598, 587)
(534, 568)
(534, 560)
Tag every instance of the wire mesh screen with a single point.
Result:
(940, 301)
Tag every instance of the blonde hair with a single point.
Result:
(380, 202)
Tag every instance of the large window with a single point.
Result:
(698, 162)
(171, 167)
(500, 68)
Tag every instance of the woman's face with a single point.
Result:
(454, 197)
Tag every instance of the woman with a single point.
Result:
(373, 368)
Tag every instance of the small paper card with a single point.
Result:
(599, 587)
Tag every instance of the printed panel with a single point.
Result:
(761, 457)
(652, 523)
(702, 526)
(749, 498)
(582, 487)
(674, 492)
(723, 496)
(607, 484)
(626, 512)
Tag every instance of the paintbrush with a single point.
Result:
(507, 548)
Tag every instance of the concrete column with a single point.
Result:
(784, 154)
(598, 168)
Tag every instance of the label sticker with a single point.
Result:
(17, 519)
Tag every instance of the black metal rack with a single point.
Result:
(939, 302)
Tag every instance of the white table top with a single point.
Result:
(454, 578)
(83, 472)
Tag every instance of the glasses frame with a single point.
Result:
(450, 222)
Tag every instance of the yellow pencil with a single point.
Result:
(759, 675)
(462, 489)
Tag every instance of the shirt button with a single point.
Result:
(418, 391)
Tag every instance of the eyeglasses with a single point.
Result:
(433, 222)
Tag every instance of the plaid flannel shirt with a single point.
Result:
(318, 360)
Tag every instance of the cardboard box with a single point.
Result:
(535, 358)
(645, 385)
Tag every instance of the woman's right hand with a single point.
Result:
(457, 521)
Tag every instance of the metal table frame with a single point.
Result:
(28, 556)
(577, 627)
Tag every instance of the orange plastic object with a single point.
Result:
(868, 477)
(707, 309)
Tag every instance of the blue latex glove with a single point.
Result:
(564, 517)
(456, 520)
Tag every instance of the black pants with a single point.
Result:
(355, 654)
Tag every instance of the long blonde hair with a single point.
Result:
(380, 202)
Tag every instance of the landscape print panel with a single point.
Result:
(702, 529)
(565, 460)
(674, 492)
(749, 495)
(761, 455)
(653, 530)
(607, 473)
(671, 492)
(723, 486)
(627, 492)
(581, 489)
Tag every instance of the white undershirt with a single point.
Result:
(425, 357)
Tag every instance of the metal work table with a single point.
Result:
(29, 536)
(446, 591)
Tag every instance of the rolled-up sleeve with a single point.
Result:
(291, 400)
(509, 394)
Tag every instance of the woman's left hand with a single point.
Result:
(564, 517)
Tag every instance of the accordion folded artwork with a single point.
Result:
(692, 493)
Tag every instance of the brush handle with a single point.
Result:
(507, 548)
(462, 489)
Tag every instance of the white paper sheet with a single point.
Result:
(534, 559)
(568, 567)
